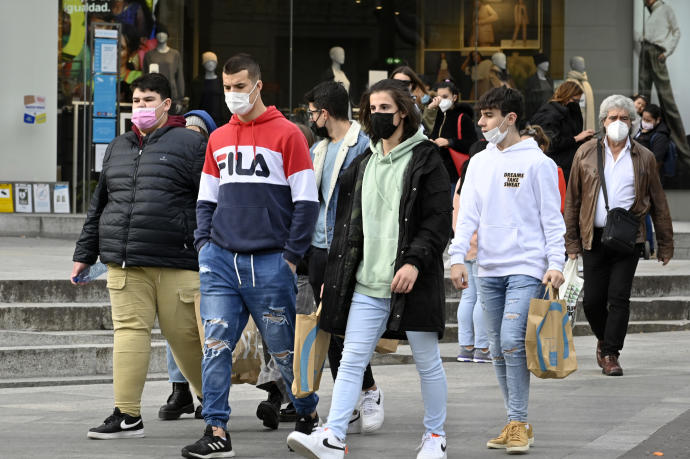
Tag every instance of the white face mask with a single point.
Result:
(495, 136)
(617, 131)
(646, 125)
(583, 102)
(445, 104)
(238, 102)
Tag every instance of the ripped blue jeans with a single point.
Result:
(505, 301)
(234, 285)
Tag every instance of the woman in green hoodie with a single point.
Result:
(385, 266)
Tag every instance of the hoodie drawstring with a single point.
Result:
(237, 271)
(237, 141)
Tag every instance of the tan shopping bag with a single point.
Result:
(311, 349)
(549, 337)
(387, 346)
(247, 356)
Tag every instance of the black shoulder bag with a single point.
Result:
(620, 232)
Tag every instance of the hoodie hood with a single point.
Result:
(402, 149)
(522, 146)
(208, 121)
(270, 114)
(173, 121)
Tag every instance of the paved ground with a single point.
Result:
(586, 415)
(43, 258)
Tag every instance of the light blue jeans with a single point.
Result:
(174, 373)
(471, 329)
(505, 301)
(365, 325)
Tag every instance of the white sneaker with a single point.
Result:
(321, 444)
(355, 424)
(372, 410)
(432, 447)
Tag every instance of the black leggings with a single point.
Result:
(316, 260)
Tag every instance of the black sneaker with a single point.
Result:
(209, 446)
(180, 401)
(288, 414)
(306, 423)
(118, 425)
(269, 410)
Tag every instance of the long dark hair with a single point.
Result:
(401, 96)
(416, 81)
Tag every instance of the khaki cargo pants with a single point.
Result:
(137, 295)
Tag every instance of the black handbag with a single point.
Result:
(620, 232)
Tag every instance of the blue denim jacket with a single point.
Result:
(354, 144)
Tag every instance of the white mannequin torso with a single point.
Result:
(339, 76)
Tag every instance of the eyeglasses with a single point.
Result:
(312, 113)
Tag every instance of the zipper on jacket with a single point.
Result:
(131, 204)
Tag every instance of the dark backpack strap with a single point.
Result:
(600, 166)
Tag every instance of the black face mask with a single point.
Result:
(319, 131)
(382, 126)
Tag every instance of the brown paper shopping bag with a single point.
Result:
(549, 337)
(246, 358)
(311, 349)
(387, 346)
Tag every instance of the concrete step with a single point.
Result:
(52, 291)
(68, 360)
(641, 326)
(6, 383)
(55, 316)
(652, 308)
(15, 338)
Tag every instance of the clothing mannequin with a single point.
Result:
(539, 88)
(207, 91)
(337, 55)
(443, 73)
(498, 75)
(521, 20)
(578, 74)
(166, 61)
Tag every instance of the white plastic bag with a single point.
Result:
(572, 287)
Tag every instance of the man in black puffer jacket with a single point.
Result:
(141, 223)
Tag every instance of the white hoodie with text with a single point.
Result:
(511, 198)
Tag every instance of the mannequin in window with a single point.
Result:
(578, 74)
(521, 21)
(498, 75)
(335, 72)
(207, 91)
(483, 28)
(539, 88)
(166, 61)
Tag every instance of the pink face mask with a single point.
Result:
(145, 118)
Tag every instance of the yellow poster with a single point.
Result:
(6, 204)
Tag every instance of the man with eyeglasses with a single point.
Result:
(631, 183)
(343, 140)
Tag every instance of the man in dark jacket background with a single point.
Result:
(141, 223)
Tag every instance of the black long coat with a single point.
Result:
(561, 123)
(424, 228)
(143, 211)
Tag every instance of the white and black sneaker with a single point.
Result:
(210, 446)
(355, 424)
(372, 411)
(118, 425)
(432, 447)
(321, 444)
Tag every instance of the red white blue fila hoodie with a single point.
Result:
(258, 190)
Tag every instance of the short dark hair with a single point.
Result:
(653, 110)
(640, 96)
(155, 82)
(505, 99)
(330, 96)
(402, 98)
(243, 61)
